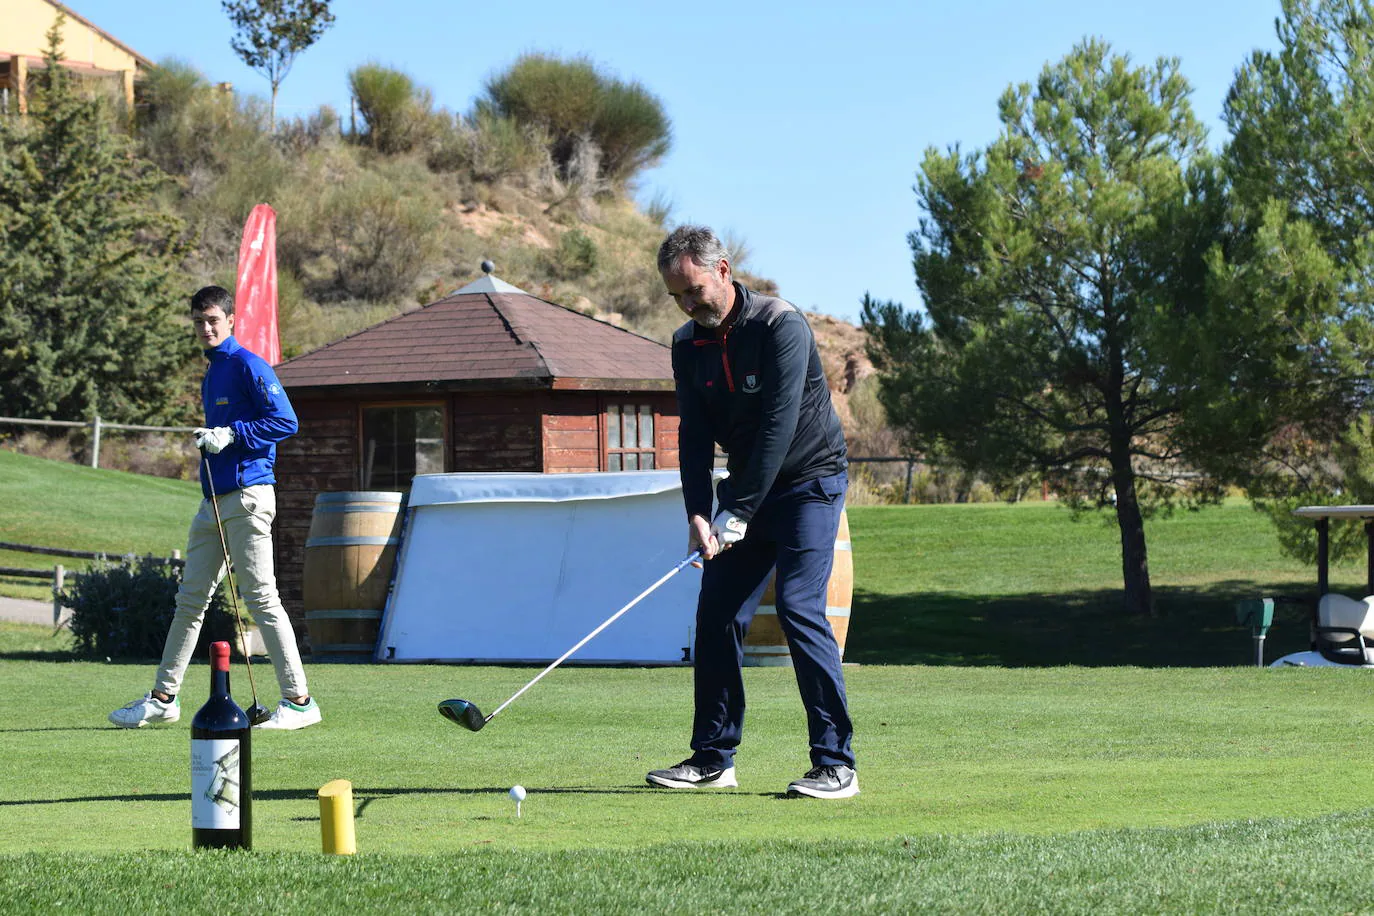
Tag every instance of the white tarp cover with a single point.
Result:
(519, 567)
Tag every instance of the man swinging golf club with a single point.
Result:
(246, 415)
(749, 377)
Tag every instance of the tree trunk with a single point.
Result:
(272, 112)
(1135, 563)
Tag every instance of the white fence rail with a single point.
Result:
(95, 425)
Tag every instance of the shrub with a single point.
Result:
(169, 89)
(122, 609)
(169, 455)
(383, 228)
(488, 146)
(188, 126)
(869, 432)
(865, 490)
(572, 102)
(659, 210)
(631, 129)
(557, 96)
(297, 136)
(575, 255)
(352, 233)
(395, 112)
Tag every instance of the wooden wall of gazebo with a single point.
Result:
(532, 431)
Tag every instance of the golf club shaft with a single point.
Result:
(232, 583)
(694, 555)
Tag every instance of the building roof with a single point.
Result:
(487, 335)
(74, 56)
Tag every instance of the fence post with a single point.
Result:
(59, 578)
(95, 441)
(909, 465)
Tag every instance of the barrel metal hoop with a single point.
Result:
(345, 614)
(354, 509)
(831, 610)
(354, 540)
(367, 496)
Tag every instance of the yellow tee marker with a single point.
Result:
(336, 818)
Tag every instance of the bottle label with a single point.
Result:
(215, 784)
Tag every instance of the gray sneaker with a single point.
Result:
(147, 710)
(687, 775)
(826, 782)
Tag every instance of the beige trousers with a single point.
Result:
(247, 515)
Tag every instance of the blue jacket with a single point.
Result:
(241, 391)
(757, 389)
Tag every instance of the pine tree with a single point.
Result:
(91, 319)
(1302, 164)
(1057, 267)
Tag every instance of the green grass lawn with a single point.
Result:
(1025, 584)
(984, 584)
(55, 504)
(1024, 746)
(1113, 789)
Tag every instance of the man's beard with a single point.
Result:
(708, 318)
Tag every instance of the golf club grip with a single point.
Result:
(694, 555)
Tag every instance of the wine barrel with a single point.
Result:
(349, 555)
(765, 645)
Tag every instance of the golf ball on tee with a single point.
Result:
(517, 793)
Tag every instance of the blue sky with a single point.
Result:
(798, 126)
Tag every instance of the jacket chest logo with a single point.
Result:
(751, 383)
(221, 402)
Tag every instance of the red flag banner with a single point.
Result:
(255, 296)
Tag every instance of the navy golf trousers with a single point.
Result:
(794, 531)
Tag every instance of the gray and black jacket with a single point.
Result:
(754, 386)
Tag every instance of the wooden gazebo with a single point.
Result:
(488, 378)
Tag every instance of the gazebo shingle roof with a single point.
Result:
(486, 332)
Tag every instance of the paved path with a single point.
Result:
(18, 610)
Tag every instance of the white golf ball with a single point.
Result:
(517, 793)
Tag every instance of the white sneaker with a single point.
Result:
(290, 716)
(147, 710)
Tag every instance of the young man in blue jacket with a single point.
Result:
(246, 414)
(749, 379)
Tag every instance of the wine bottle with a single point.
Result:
(221, 765)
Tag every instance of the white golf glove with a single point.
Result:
(728, 528)
(214, 440)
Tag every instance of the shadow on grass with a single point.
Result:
(39, 655)
(1195, 627)
(57, 728)
(363, 796)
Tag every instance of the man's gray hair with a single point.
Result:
(698, 242)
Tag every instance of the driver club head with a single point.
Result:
(464, 713)
(258, 714)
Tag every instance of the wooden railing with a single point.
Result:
(58, 574)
